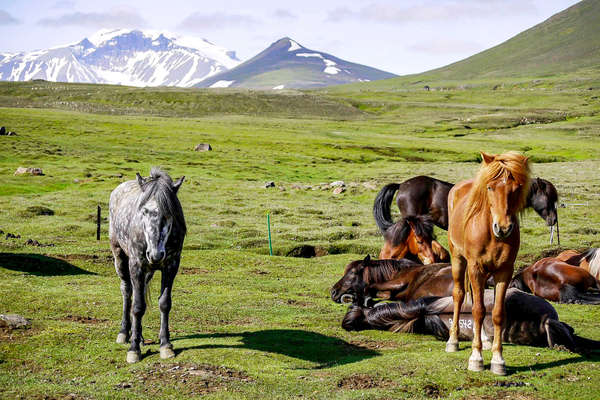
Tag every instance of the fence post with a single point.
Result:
(98, 224)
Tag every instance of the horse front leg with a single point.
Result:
(458, 296)
(502, 278)
(477, 279)
(164, 303)
(138, 281)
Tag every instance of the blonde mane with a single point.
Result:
(502, 166)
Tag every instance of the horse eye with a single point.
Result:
(489, 188)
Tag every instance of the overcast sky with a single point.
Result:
(401, 36)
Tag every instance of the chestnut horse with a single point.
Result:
(411, 237)
(391, 280)
(588, 260)
(558, 281)
(484, 238)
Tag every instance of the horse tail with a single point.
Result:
(561, 334)
(570, 294)
(382, 206)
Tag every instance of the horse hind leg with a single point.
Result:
(122, 268)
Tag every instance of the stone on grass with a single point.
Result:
(269, 184)
(339, 190)
(13, 321)
(337, 184)
(29, 171)
(203, 147)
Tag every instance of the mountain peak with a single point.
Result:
(286, 43)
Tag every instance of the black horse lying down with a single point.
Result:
(530, 320)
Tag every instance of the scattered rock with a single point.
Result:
(13, 321)
(33, 242)
(2, 130)
(11, 134)
(29, 171)
(431, 390)
(203, 147)
(510, 384)
(269, 184)
(12, 236)
(426, 87)
(339, 190)
(337, 183)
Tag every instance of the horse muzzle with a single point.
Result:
(500, 232)
(156, 258)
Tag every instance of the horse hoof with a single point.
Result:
(134, 356)
(121, 338)
(498, 368)
(167, 352)
(475, 365)
(451, 347)
(486, 345)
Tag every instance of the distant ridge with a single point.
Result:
(567, 41)
(287, 64)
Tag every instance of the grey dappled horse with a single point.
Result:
(146, 234)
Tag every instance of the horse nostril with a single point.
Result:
(333, 292)
(162, 255)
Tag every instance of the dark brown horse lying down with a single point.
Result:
(392, 280)
(558, 281)
(530, 320)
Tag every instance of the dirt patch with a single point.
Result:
(432, 390)
(260, 272)
(83, 320)
(307, 251)
(36, 210)
(364, 381)
(194, 271)
(375, 344)
(503, 395)
(190, 379)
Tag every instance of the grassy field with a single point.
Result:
(245, 324)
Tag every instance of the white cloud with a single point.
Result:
(7, 19)
(198, 22)
(110, 19)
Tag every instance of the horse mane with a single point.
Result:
(503, 166)
(417, 316)
(399, 232)
(160, 187)
(384, 270)
(592, 256)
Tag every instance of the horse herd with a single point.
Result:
(147, 229)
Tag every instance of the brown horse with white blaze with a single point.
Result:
(484, 238)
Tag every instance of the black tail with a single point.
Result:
(561, 334)
(570, 294)
(381, 207)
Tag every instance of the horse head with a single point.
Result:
(543, 198)
(420, 238)
(156, 212)
(505, 178)
(352, 285)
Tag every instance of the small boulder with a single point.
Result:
(11, 134)
(369, 185)
(339, 190)
(29, 171)
(13, 321)
(203, 147)
(269, 184)
(2, 130)
(337, 183)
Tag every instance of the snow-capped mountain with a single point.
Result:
(123, 56)
(287, 64)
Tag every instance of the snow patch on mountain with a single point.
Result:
(221, 84)
(123, 56)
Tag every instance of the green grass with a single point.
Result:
(268, 318)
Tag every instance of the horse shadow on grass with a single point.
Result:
(325, 351)
(37, 264)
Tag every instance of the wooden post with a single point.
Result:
(98, 224)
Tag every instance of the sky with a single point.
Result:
(401, 36)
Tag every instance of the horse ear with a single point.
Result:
(140, 180)
(486, 158)
(178, 183)
(367, 259)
